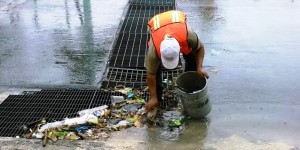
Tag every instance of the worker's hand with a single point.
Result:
(202, 73)
(152, 103)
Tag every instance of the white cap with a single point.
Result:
(169, 50)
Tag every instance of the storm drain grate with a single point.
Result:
(153, 2)
(18, 110)
(129, 51)
(147, 11)
(130, 47)
(135, 25)
(137, 75)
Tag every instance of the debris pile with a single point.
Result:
(95, 123)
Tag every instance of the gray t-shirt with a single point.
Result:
(152, 60)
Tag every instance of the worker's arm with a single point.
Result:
(198, 47)
(151, 64)
(200, 57)
(153, 102)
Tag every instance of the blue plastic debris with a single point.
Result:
(82, 128)
(131, 95)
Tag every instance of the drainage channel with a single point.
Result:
(126, 67)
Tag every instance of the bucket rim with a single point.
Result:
(194, 92)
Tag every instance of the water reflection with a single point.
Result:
(14, 14)
(203, 16)
(35, 14)
(189, 136)
(207, 15)
(55, 43)
(79, 10)
(83, 60)
(67, 14)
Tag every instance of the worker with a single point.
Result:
(170, 36)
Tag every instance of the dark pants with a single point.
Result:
(190, 62)
(190, 65)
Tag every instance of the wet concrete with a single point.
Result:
(59, 44)
(251, 56)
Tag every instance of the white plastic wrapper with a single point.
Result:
(93, 110)
(51, 125)
(38, 135)
(88, 118)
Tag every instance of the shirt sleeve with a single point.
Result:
(193, 39)
(152, 61)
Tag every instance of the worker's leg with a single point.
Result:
(159, 84)
(190, 62)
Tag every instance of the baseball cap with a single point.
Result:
(169, 50)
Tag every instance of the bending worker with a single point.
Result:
(170, 36)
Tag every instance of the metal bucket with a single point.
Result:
(192, 91)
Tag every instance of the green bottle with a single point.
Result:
(177, 122)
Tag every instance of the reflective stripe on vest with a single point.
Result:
(170, 23)
(156, 22)
(166, 18)
(175, 16)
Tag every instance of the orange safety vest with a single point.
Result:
(172, 23)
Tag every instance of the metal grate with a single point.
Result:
(147, 11)
(134, 78)
(137, 75)
(129, 51)
(135, 25)
(18, 110)
(153, 2)
(111, 84)
(130, 47)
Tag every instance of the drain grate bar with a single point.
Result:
(135, 25)
(137, 75)
(112, 84)
(152, 2)
(129, 51)
(147, 11)
(130, 48)
(135, 78)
